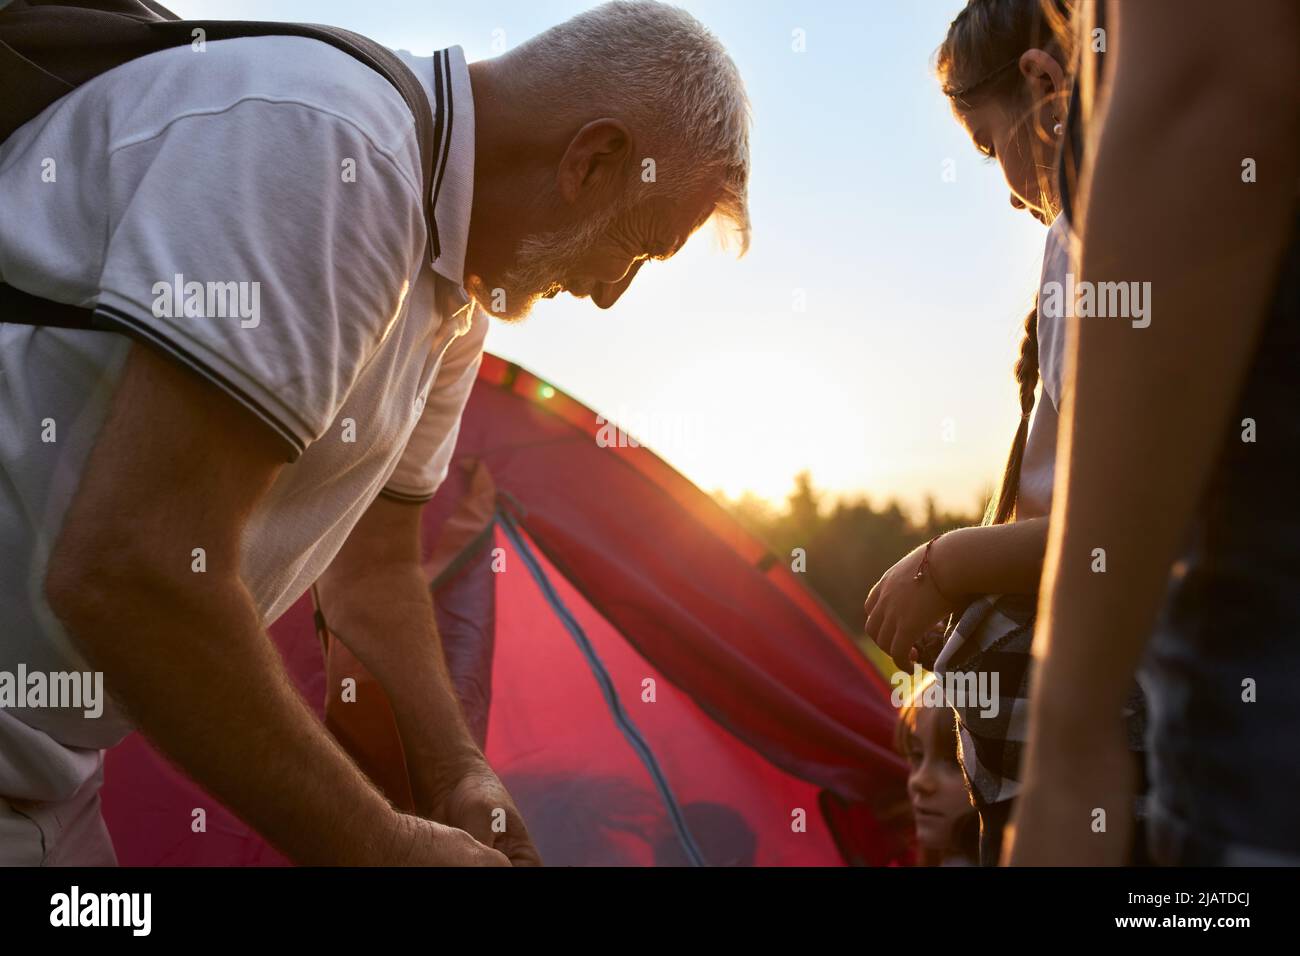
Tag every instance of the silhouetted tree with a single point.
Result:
(849, 544)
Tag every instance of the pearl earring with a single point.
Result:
(1058, 130)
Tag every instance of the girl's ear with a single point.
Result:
(1046, 79)
(1045, 75)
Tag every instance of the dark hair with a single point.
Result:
(987, 37)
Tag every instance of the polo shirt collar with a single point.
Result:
(456, 192)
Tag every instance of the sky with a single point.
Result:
(869, 335)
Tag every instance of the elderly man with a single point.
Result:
(169, 492)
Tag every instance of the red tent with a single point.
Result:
(653, 685)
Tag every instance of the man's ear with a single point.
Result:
(594, 160)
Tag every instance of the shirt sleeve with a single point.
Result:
(241, 248)
(1052, 328)
(427, 456)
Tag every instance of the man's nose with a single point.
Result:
(605, 294)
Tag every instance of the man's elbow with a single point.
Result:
(73, 580)
(95, 581)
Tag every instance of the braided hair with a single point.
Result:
(1003, 508)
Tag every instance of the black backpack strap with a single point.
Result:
(23, 308)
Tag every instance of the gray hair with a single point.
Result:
(658, 69)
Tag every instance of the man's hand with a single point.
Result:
(477, 802)
(376, 601)
(419, 842)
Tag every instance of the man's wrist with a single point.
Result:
(440, 739)
(435, 772)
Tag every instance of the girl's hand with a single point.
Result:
(901, 609)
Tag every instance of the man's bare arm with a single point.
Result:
(179, 465)
(1150, 407)
(377, 602)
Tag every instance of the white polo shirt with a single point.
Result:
(283, 177)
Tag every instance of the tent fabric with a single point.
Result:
(610, 691)
(556, 558)
(685, 584)
(586, 796)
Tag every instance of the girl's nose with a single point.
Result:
(1016, 202)
(921, 782)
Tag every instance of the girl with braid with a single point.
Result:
(1004, 68)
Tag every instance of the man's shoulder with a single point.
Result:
(276, 71)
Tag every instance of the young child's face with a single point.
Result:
(934, 783)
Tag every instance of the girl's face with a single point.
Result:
(934, 782)
(1004, 138)
(1022, 139)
